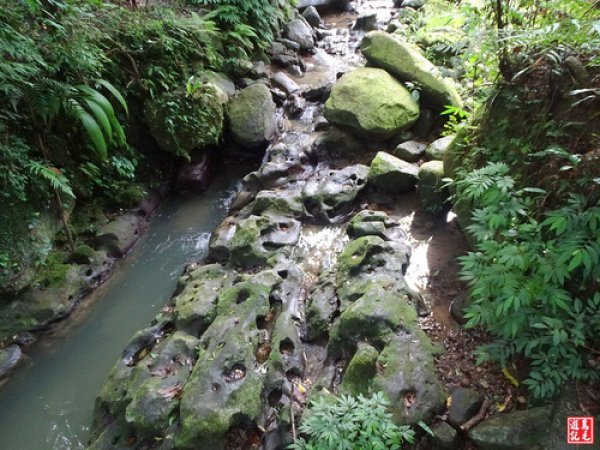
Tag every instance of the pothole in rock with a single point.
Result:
(237, 372)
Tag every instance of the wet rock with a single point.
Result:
(194, 176)
(258, 238)
(321, 123)
(329, 197)
(312, 16)
(225, 389)
(157, 397)
(465, 404)
(405, 62)
(295, 70)
(369, 261)
(195, 305)
(322, 304)
(434, 196)
(376, 223)
(285, 82)
(361, 370)
(415, 4)
(218, 246)
(392, 174)
(325, 4)
(251, 116)
(337, 144)
(437, 149)
(151, 202)
(410, 151)
(299, 31)
(518, 430)
(282, 203)
(295, 105)
(366, 21)
(286, 61)
(290, 45)
(9, 358)
(259, 70)
(444, 436)
(118, 236)
(408, 378)
(371, 104)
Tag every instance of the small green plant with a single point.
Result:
(348, 423)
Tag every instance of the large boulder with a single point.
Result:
(406, 63)
(392, 174)
(117, 237)
(371, 103)
(251, 116)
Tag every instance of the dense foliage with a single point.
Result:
(346, 422)
(526, 168)
(75, 76)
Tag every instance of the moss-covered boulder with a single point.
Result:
(182, 122)
(251, 115)
(371, 104)
(322, 304)
(392, 174)
(408, 378)
(434, 196)
(361, 370)
(375, 223)
(224, 389)
(518, 430)
(407, 64)
(118, 236)
(195, 305)
(258, 238)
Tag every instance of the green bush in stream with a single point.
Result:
(534, 279)
(348, 423)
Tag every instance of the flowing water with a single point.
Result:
(48, 403)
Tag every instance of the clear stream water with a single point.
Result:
(48, 403)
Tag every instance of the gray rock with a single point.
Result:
(457, 307)
(465, 404)
(312, 16)
(410, 151)
(392, 174)
(444, 436)
(329, 197)
(9, 358)
(415, 4)
(295, 105)
(259, 69)
(286, 61)
(336, 144)
(298, 30)
(366, 21)
(290, 45)
(437, 149)
(118, 236)
(322, 304)
(251, 115)
(220, 80)
(433, 193)
(325, 4)
(518, 430)
(285, 82)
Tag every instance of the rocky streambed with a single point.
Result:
(304, 292)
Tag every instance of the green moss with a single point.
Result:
(83, 254)
(54, 271)
(361, 370)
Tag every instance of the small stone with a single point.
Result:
(312, 16)
(410, 151)
(465, 404)
(295, 70)
(445, 437)
(392, 174)
(290, 45)
(285, 82)
(366, 21)
(457, 308)
(436, 150)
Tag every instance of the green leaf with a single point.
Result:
(101, 116)
(116, 94)
(94, 133)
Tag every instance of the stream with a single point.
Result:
(48, 403)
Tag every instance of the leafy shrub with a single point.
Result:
(182, 121)
(534, 281)
(338, 423)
